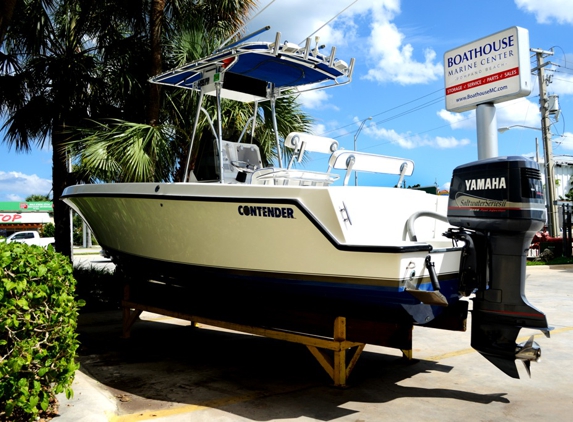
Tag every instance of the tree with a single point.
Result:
(37, 198)
(48, 83)
(54, 75)
(156, 149)
(77, 64)
(6, 11)
(569, 195)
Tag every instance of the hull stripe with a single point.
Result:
(420, 247)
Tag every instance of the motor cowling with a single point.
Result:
(498, 194)
(498, 205)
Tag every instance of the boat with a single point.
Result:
(281, 237)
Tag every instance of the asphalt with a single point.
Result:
(447, 380)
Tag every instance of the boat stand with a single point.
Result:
(331, 347)
(335, 365)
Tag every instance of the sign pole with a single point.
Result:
(486, 126)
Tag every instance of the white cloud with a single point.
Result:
(297, 19)
(393, 58)
(564, 141)
(315, 100)
(14, 198)
(459, 120)
(395, 61)
(16, 186)
(548, 11)
(521, 111)
(411, 141)
(449, 142)
(562, 83)
(318, 129)
(295, 26)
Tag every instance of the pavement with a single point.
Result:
(226, 376)
(82, 251)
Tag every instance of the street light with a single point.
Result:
(549, 175)
(506, 128)
(355, 138)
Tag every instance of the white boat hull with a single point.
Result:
(345, 240)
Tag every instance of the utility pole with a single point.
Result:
(552, 221)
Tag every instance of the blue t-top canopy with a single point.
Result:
(250, 71)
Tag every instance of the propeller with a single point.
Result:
(528, 351)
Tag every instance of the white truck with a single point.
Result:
(31, 237)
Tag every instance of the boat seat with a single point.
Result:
(239, 160)
(300, 142)
(292, 177)
(372, 163)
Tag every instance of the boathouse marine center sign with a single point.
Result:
(492, 69)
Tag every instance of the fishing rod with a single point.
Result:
(245, 24)
(339, 13)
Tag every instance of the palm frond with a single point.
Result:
(126, 151)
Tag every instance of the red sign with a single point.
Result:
(483, 81)
(10, 218)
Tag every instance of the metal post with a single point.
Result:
(253, 126)
(84, 237)
(218, 86)
(355, 138)
(564, 231)
(548, 149)
(69, 156)
(193, 134)
(569, 245)
(486, 125)
(567, 230)
(275, 126)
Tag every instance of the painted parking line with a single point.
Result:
(182, 410)
(448, 355)
(211, 404)
(227, 401)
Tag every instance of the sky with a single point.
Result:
(398, 80)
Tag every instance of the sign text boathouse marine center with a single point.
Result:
(492, 69)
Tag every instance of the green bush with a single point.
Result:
(38, 340)
(100, 288)
(48, 230)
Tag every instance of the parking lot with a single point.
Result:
(170, 371)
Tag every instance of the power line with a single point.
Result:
(406, 112)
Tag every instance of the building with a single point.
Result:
(18, 216)
(563, 175)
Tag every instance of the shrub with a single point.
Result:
(48, 230)
(100, 288)
(38, 340)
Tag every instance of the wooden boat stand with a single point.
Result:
(335, 352)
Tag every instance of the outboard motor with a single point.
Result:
(497, 205)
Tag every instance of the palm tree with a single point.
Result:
(37, 198)
(66, 64)
(156, 150)
(48, 72)
(6, 11)
(56, 56)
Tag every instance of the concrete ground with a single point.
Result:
(169, 371)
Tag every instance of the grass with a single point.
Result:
(562, 260)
